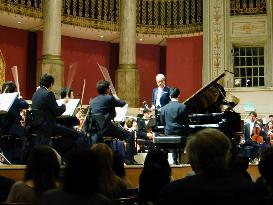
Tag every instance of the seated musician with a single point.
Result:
(74, 122)
(44, 100)
(104, 105)
(11, 123)
(144, 138)
(67, 93)
(175, 119)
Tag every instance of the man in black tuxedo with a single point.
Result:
(44, 100)
(104, 105)
(174, 118)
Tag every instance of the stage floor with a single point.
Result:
(16, 172)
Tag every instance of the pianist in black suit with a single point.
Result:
(44, 100)
(104, 105)
(174, 118)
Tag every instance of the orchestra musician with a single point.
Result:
(44, 100)
(67, 93)
(104, 105)
(174, 117)
(10, 123)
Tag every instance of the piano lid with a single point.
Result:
(209, 98)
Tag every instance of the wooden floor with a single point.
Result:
(16, 172)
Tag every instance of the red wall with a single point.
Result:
(184, 64)
(84, 54)
(148, 62)
(13, 44)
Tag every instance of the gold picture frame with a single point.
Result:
(2, 69)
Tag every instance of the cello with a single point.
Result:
(257, 137)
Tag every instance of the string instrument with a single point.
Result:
(256, 137)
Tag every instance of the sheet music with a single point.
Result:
(70, 106)
(120, 113)
(6, 101)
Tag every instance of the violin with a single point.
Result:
(256, 137)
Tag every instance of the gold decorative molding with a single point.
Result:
(248, 26)
(159, 17)
(2, 69)
(217, 29)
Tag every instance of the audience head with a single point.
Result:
(155, 174)
(160, 80)
(47, 80)
(67, 92)
(43, 168)
(103, 87)
(265, 166)
(158, 156)
(104, 154)
(9, 87)
(118, 164)
(174, 93)
(208, 151)
(81, 173)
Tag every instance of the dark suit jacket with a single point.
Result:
(221, 188)
(165, 97)
(247, 131)
(45, 100)
(175, 119)
(105, 105)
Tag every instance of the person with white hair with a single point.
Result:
(161, 94)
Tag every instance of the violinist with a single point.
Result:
(103, 106)
(270, 132)
(11, 123)
(44, 100)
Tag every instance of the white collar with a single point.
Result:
(174, 99)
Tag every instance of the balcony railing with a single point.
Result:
(247, 7)
(153, 16)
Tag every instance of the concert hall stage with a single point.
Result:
(16, 172)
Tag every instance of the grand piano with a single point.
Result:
(210, 108)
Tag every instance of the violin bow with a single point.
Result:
(83, 89)
(14, 71)
(70, 76)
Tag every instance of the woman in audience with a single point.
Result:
(41, 174)
(110, 184)
(155, 174)
(80, 182)
(118, 167)
(209, 156)
(265, 167)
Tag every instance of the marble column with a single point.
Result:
(51, 61)
(216, 43)
(127, 74)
